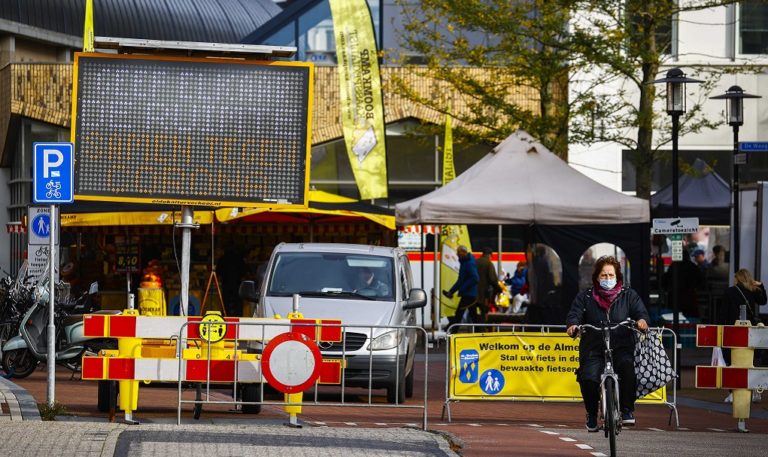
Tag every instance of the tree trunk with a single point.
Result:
(643, 157)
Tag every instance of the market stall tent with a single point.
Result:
(520, 182)
(703, 194)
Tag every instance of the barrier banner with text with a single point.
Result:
(518, 366)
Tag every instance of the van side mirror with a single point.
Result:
(417, 298)
(93, 289)
(248, 291)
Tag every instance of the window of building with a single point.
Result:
(414, 163)
(753, 27)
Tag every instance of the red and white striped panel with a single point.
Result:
(15, 227)
(745, 337)
(731, 378)
(431, 229)
(167, 370)
(167, 327)
(732, 336)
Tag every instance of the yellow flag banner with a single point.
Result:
(362, 106)
(88, 27)
(452, 236)
(518, 366)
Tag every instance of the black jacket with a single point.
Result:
(585, 310)
(733, 299)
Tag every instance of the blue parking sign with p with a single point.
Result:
(53, 173)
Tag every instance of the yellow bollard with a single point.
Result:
(129, 390)
(742, 398)
(293, 410)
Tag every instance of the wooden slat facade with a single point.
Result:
(44, 92)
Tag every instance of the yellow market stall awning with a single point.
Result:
(323, 207)
(96, 219)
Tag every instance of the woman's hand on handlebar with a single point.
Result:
(642, 325)
(572, 331)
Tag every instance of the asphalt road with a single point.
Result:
(477, 428)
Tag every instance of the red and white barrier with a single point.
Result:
(167, 327)
(731, 378)
(732, 336)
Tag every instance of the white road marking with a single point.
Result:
(548, 432)
(535, 425)
(716, 429)
(598, 454)
(350, 423)
(584, 446)
(655, 429)
(565, 438)
(383, 424)
(474, 425)
(683, 428)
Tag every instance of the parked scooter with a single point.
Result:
(23, 353)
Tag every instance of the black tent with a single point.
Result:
(705, 195)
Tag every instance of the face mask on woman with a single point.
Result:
(608, 284)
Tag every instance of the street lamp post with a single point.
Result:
(735, 115)
(675, 81)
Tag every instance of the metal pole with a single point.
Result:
(51, 355)
(498, 261)
(436, 287)
(736, 198)
(187, 222)
(675, 213)
(421, 248)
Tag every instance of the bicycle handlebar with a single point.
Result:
(628, 323)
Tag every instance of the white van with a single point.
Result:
(361, 285)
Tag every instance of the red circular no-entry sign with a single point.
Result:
(291, 362)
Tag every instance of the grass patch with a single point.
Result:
(49, 413)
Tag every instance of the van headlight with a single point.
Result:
(389, 340)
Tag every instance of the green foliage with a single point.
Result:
(49, 412)
(587, 65)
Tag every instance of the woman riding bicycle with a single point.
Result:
(607, 301)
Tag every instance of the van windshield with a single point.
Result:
(352, 276)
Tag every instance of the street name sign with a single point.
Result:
(53, 173)
(675, 225)
(753, 146)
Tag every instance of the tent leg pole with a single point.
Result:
(498, 262)
(436, 289)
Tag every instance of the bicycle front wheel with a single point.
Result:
(611, 414)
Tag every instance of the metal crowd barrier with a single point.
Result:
(203, 399)
(545, 329)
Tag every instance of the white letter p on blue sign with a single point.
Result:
(52, 158)
(54, 173)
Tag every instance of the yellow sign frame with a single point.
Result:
(199, 201)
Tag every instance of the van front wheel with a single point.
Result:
(396, 392)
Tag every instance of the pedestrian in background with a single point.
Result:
(466, 286)
(745, 291)
(488, 283)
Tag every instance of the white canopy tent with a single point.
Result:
(522, 182)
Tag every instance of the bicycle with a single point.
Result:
(609, 407)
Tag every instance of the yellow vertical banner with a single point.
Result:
(452, 236)
(88, 27)
(362, 105)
